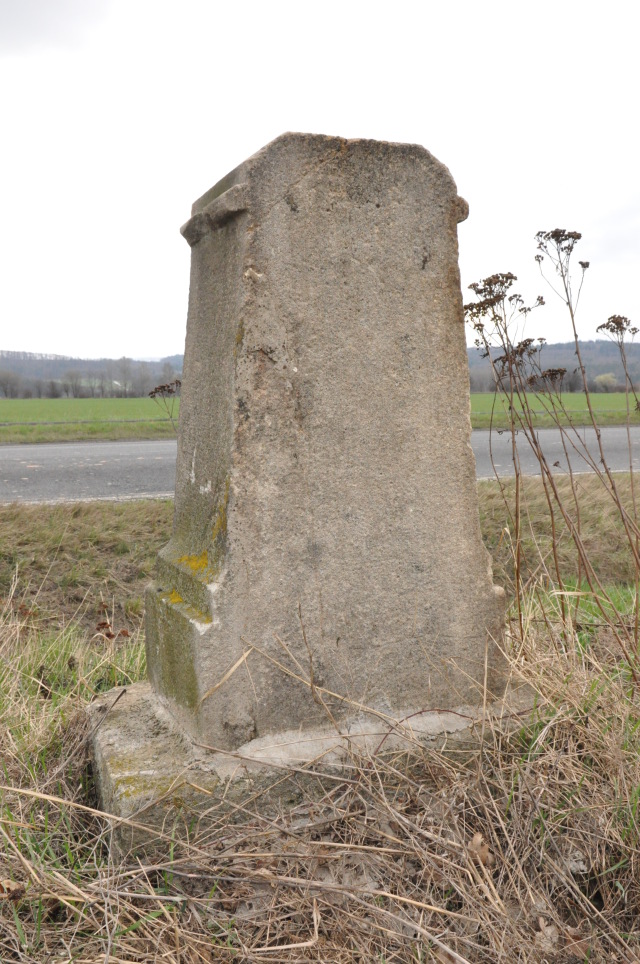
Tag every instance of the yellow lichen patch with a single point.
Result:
(133, 785)
(195, 563)
(207, 565)
(174, 598)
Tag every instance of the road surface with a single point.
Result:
(76, 471)
(614, 441)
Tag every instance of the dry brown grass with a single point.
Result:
(73, 559)
(602, 532)
(526, 851)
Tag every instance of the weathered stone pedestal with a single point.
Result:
(326, 554)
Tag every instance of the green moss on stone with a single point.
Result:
(239, 338)
(207, 565)
(171, 638)
(182, 601)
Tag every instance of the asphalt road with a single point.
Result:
(614, 442)
(76, 471)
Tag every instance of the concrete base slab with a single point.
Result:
(159, 785)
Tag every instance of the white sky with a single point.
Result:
(117, 114)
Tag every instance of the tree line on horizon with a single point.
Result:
(31, 375)
(601, 359)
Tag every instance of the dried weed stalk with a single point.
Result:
(165, 396)
(520, 377)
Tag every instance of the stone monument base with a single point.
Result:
(161, 786)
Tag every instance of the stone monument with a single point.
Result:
(326, 566)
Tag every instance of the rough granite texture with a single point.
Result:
(326, 518)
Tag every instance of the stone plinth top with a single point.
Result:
(231, 195)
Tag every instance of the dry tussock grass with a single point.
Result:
(524, 851)
(603, 534)
(75, 558)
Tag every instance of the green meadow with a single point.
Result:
(488, 409)
(76, 419)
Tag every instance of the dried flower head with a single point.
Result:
(491, 292)
(553, 375)
(561, 240)
(165, 391)
(618, 326)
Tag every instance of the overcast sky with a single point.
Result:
(117, 114)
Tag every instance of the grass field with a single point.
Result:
(528, 851)
(610, 409)
(73, 560)
(75, 419)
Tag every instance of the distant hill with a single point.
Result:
(600, 357)
(26, 374)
